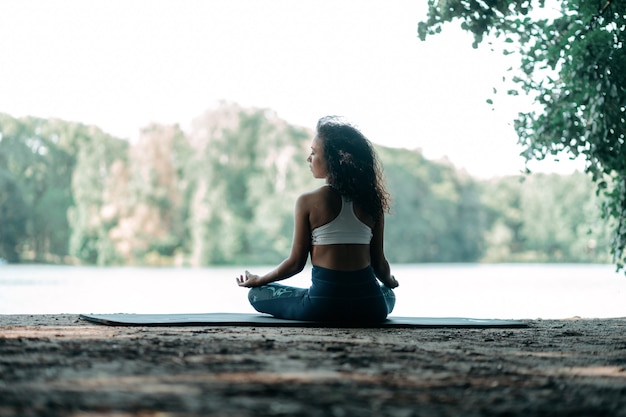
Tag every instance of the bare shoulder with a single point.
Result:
(314, 198)
(318, 193)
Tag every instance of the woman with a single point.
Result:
(341, 226)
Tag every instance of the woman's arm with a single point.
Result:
(377, 254)
(300, 249)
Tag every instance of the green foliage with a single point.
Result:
(249, 170)
(480, 18)
(544, 218)
(573, 68)
(436, 216)
(93, 213)
(150, 196)
(224, 193)
(12, 217)
(35, 152)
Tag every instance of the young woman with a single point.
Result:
(341, 226)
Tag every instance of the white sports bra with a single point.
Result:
(346, 228)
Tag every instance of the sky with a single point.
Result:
(122, 65)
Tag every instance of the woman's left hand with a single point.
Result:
(249, 280)
(392, 283)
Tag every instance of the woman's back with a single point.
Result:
(324, 206)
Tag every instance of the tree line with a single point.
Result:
(223, 193)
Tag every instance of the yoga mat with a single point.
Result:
(262, 320)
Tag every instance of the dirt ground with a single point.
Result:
(63, 366)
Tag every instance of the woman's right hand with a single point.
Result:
(249, 280)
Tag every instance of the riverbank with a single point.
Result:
(58, 365)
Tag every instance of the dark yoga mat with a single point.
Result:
(242, 319)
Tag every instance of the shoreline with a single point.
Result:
(61, 365)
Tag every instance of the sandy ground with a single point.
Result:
(62, 366)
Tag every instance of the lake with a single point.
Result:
(507, 291)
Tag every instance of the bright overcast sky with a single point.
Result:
(121, 64)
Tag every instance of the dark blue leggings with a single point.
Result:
(337, 296)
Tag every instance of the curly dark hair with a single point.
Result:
(353, 166)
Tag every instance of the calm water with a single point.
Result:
(470, 290)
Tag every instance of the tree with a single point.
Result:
(572, 66)
(544, 218)
(12, 216)
(36, 152)
(248, 168)
(436, 213)
(95, 210)
(149, 197)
